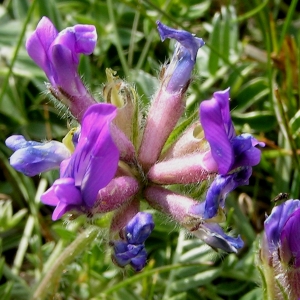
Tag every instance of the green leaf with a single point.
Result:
(213, 61)
(194, 281)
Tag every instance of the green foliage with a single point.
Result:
(255, 51)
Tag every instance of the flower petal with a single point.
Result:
(66, 76)
(61, 209)
(179, 70)
(213, 235)
(275, 222)
(221, 186)
(245, 152)
(32, 158)
(218, 129)
(95, 160)
(139, 228)
(39, 42)
(79, 39)
(290, 246)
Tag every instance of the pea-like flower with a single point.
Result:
(280, 253)
(227, 149)
(131, 249)
(90, 168)
(218, 190)
(57, 54)
(169, 102)
(281, 231)
(32, 158)
(179, 70)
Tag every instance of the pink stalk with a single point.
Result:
(76, 104)
(124, 145)
(188, 169)
(164, 113)
(119, 191)
(168, 202)
(124, 215)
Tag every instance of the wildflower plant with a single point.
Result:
(115, 159)
(150, 188)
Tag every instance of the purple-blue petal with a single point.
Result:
(179, 70)
(16, 142)
(185, 38)
(139, 228)
(245, 152)
(289, 239)
(275, 222)
(138, 262)
(221, 186)
(213, 235)
(218, 129)
(32, 158)
(124, 252)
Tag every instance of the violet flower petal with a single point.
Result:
(38, 44)
(290, 246)
(61, 209)
(16, 142)
(32, 158)
(213, 235)
(245, 152)
(139, 261)
(217, 192)
(66, 74)
(139, 228)
(276, 221)
(95, 160)
(185, 38)
(62, 190)
(179, 70)
(124, 252)
(79, 39)
(218, 129)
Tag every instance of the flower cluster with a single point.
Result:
(115, 159)
(281, 251)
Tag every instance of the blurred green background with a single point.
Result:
(253, 47)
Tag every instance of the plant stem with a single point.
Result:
(68, 255)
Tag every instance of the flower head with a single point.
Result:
(32, 158)
(213, 235)
(228, 150)
(131, 249)
(57, 53)
(90, 168)
(279, 226)
(182, 63)
(217, 192)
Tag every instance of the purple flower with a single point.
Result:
(182, 63)
(139, 228)
(125, 254)
(217, 192)
(131, 249)
(32, 158)
(228, 150)
(280, 226)
(90, 168)
(213, 235)
(57, 53)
